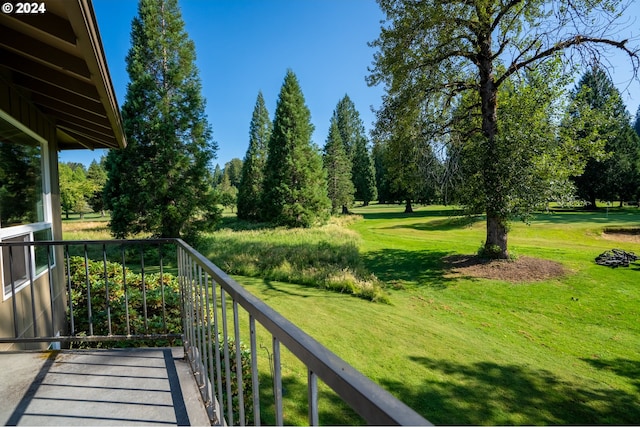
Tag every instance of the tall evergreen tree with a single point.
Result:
(338, 167)
(363, 173)
(250, 189)
(355, 142)
(233, 170)
(614, 177)
(160, 182)
(295, 187)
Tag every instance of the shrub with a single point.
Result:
(117, 301)
(155, 325)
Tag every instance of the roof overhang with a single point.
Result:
(56, 60)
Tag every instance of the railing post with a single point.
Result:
(312, 384)
(68, 258)
(227, 362)
(255, 381)
(106, 287)
(126, 291)
(13, 294)
(51, 300)
(277, 381)
(239, 377)
(217, 352)
(86, 278)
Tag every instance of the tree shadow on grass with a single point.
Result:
(332, 410)
(417, 214)
(444, 224)
(489, 393)
(621, 367)
(399, 267)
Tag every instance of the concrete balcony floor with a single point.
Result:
(99, 387)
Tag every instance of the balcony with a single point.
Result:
(163, 336)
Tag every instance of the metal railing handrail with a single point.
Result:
(373, 403)
(199, 278)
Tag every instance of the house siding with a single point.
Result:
(19, 108)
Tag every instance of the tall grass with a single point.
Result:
(326, 257)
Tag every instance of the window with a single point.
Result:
(25, 208)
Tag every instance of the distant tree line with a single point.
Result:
(285, 179)
(82, 189)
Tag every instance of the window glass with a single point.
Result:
(21, 200)
(24, 208)
(14, 263)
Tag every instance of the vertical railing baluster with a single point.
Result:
(51, 296)
(164, 305)
(312, 384)
(68, 259)
(277, 381)
(255, 381)
(29, 250)
(183, 299)
(106, 287)
(217, 352)
(239, 376)
(227, 364)
(192, 331)
(86, 273)
(199, 322)
(14, 304)
(209, 350)
(126, 290)
(144, 291)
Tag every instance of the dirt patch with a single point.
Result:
(523, 269)
(622, 235)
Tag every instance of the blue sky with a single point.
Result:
(244, 46)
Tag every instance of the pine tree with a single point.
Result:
(250, 189)
(616, 177)
(363, 173)
(295, 186)
(339, 186)
(160, 183)
(355, 143)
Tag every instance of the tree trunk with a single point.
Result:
(345, 210)
(408, 208)
(496, 243)
(591, 204)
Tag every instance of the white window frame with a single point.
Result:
(28, 230)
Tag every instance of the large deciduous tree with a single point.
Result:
(160, 183)
(432, 52)
(295, 186)
(250, 189)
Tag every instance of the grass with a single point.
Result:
(462, 350)
(325, 257)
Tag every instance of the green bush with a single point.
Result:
(155, 325)
(117, 301)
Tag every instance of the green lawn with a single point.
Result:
(477, 351)
(462, 350)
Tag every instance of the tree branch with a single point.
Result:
(565, 44)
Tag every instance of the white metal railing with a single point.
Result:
(215, 311)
